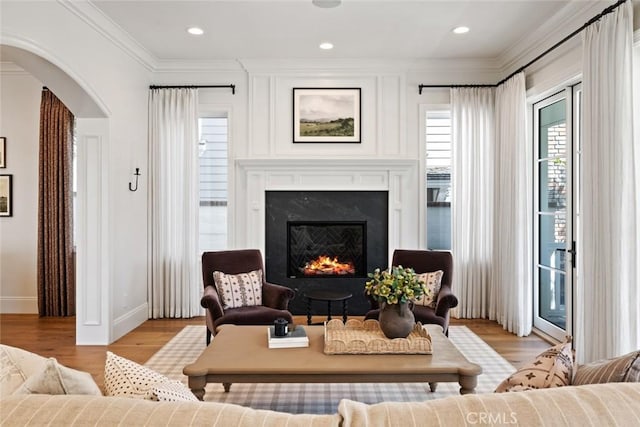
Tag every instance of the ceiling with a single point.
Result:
(293, 29)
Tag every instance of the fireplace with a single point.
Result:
(326, 249)
(344, 232)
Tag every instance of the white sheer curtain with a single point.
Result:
(607, 294)
(472, 198)
(511, 284)
(174, 277)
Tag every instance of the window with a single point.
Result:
(438, 176)
(214, 132)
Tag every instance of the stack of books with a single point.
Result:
(297, 337)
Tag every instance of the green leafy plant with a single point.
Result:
(396, 286)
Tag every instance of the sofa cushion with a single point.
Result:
(239, 290)
(123, 377)
(23, 372)
(68, 411)
(596, 405)
(618, 369)
(54, 378)
(552, 368)
(432, 280)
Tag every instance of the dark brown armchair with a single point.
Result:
(275, 298)
(423, 261)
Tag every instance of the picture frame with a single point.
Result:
(3, 152)
(6, 195)
(326, 115)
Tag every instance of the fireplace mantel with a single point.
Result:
(253, 177)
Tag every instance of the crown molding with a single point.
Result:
(193, 66)
(105, 26)
(560, 25)
(346, 65)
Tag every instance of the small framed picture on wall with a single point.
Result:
(326, 115)
(3, 152)
(6, 195)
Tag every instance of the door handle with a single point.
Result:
(572, 251)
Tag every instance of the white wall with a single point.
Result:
(118, 83)
(19, 123)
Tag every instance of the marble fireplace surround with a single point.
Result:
(399, 177)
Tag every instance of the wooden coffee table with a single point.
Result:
(239, 354)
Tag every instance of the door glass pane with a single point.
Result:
(553, 184)
(553, 130)
(552, 297)
(552, 217)
(553, 240)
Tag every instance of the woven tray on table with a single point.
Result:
(358, 337)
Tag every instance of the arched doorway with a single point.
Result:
(93, 315)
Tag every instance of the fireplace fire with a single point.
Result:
(319, 249)
(325, 265)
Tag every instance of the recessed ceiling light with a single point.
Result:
(461, 30)
(195, 31)
(326, 3)
(326, 45)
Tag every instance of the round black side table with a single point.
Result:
(329, 297)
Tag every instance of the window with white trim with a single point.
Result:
(214, 137)
(438, 179)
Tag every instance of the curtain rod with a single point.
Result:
(537, 58)
(232, 87)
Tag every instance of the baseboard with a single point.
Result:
(19, 305)
(548, 338)
(129, 321)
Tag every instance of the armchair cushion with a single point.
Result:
(252, 315)
(239, 290)
(433, 281)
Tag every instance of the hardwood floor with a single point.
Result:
(55, 337)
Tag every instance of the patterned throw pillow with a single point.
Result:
(615, 370)
(125, 378)
(551, 368)
(433, 281)
(239, 290)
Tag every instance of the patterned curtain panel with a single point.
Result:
(56, 270)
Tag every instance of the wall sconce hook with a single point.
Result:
(137, 174)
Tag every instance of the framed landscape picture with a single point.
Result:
(3, 152)
(326, 115)
(6, 196)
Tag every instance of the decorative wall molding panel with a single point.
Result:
(397, 176)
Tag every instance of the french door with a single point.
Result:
(557, 144)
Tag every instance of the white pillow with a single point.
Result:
(23, 372)
(125, 378)
(433, 281)
(239, 290)
(54, 378)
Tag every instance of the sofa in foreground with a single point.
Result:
(36, 391)
(611, 404)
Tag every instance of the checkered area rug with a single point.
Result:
(187, 345)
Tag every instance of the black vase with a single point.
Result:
(396, 320)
